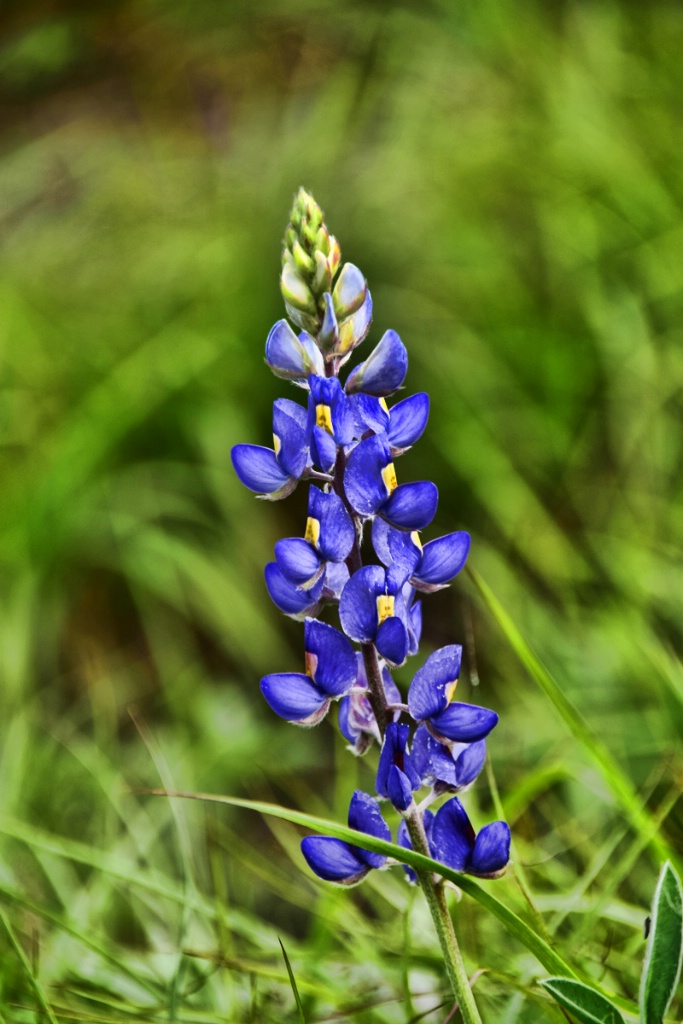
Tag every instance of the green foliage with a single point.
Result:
(506, 176)
(662, 966)
(587, 1005)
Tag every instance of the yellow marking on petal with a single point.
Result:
(450, 690)
(312, 531)
(277, 444)
(415, 537)
(323, 417)
(311, 664)
(383, 403)
(385, 607)
(389, 477)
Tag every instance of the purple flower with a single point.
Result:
(291, 357)
(430, 700)
(340, 862)
(372, 610)
(453, 842)
(294, 601)
(432, 566)
(330, 420)
(383, 371)
(449, 767)
(396, 776)
(330, 673)
(330, 535)
(372, 488)
(274, 474)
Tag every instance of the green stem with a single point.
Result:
(436, 901)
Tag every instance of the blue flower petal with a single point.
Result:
(295, 697)
(291, 599)
(335, 579)
(316, 361)
(383, 371)
(381, 532)
(432, 760)
(452, 838)
(469, 763)
(491, 850)
(442, 559)
(329, 332)
(399, 789)
(323, 449)
(258, 469)
(358, 604)
(354, 328)
(298, 561)
(368, 414)
(428, 694)
(333, 860)
(414, 624)
(410, 506)
(365, 816)
(337, 532)
(363, 482)
(393, 750)
(289, 430)
(407, 421)
(463, 723)
(404, 549)
(287, 357)
(335, 658)
(392, 640)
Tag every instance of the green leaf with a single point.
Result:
(587, 1005)
(662, 965)
(292, 982)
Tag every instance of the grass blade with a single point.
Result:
(292, 982)
(543, 952)
(610, 769)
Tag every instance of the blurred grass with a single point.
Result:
(508, 178)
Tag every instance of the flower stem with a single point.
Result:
(436, 900)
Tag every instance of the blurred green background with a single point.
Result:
(508, 177)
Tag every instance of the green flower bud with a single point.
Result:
(295, 291)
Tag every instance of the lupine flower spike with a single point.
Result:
(345, 442)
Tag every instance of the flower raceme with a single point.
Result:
(344, 443)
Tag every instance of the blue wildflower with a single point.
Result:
(329, 537)
(340, 862)
(430, 700)
(372, 488)
(330, 420)
(291, 357)
(453, 842)
(383, 371)
(396, 776)
(372, 610)
(274, 473)
(432, 566)
(330, 673)
(449, 767)
(297, 602)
